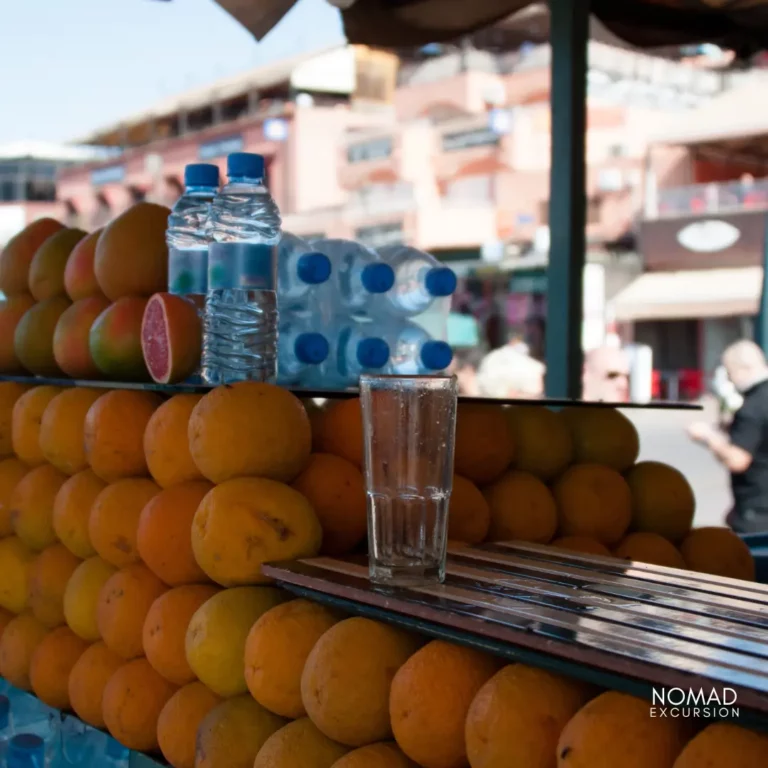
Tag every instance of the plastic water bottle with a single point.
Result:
(413, 352)
(300, 350)
(355, 348)
(420, 281)
(358, 276)
(240, 324)
(7, 729)
(299, 269)
(187, 234)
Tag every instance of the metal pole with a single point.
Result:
(569, 37)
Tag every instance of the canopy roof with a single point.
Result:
(738, 24)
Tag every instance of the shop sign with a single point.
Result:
(219, 147)
(477, 137)
(114, 174)
(708, 236)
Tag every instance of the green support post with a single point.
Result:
(569, 37)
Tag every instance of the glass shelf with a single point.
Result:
(175, 389)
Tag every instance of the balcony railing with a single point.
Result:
(725, 197)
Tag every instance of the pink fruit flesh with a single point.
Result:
(154, 342)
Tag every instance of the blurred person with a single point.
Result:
(743, 449)
(508, 373)
(464, 366)
(606, 375)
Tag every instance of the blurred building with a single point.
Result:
(702, 237)
(446, 148)
(28, 173)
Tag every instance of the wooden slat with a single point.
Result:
(660, 625)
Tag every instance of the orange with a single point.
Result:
(81, 597)
(594, 501)
(5, 619)
(71, 339)
(124, 602)
(19, 251)
(649, 548)
(163, 537)
(166, 445)
(79, 280)
(662, 500)
(17, 644)
(216, 635)
(51, 571)
(33, 337)
(131, 257)
(171, 338)
(430, 697)
(347, 677)
(62, 428)
(725, 745)
(46, 270)
(522, 509)
(10, 392)
(249, 428)
(517, 716)
(339, 430)
(12, 309)
(114, 340)
(87, 680)
(32, 506)
(246, 522)
(299, 743)
(276, 651)
(469, 516)
(114, 522)
(178, 723)
(72, 510)
(381, 755)
(16, 560)
(543, 443)
(582, 544)
(233, 732)
(11, 472)
(336, 490)
(114, 433)
(602, 436)
(718, 551)
(51, 664)
(484, 442)
(27, 415)
(165, 630)
(616, 729)
(133, 699)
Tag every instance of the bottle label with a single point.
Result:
(241, 265)
(188, 270)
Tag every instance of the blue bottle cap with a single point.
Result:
(377, 278)
(311, 348)
(201, 175)
(313, 268)
(440, 281)
(372, 352)
(245, 165)
(25, 751)
(5, 711)
(436, 355)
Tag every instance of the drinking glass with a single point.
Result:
(409, 425)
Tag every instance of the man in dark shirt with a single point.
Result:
(744, 450)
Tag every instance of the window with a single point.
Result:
(375, 149)
(379, 235)
(478, 137)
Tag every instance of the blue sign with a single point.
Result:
(276, 129)
(111, 175)
(220, 147)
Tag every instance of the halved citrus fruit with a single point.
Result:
(171, 337)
